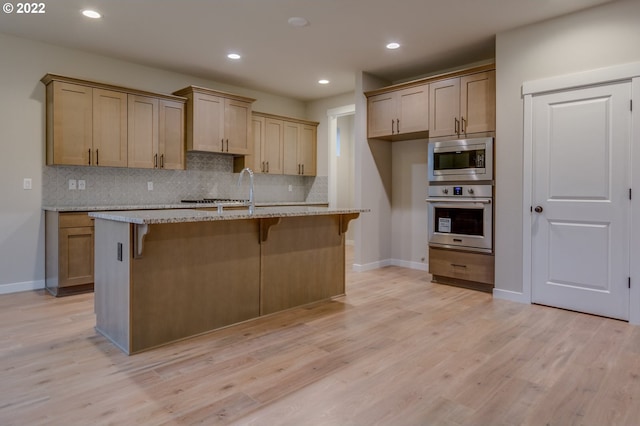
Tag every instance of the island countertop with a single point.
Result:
(148, 217)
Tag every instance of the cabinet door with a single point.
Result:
(71, 123)
(478, 102)
(307, 149)
(381, 115)
(412, 109)
(444, 107)
(237, 122)
(207, 123)
(76, 256)
(290, 165)
(143, 132)
(171, 135)
(272, 146)
(109, 128)
(255, 161)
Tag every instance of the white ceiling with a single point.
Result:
(344, 36)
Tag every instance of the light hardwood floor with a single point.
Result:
(397, 350)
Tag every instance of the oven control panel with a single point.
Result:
(460, 191)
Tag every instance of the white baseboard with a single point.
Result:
(510, 295)
(23, 286)
(391, 262)
(371, 266)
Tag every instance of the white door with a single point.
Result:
(580, 226)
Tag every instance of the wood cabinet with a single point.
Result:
(268, 139)
(284, 145)
(95, 124)
(462, 268)
(462, 105)
(399, 114)
(217, 121)
(300, 145)
(85, 126)
(69, 258)
(452, 104)
(155, 133)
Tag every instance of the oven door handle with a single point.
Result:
(458, 200)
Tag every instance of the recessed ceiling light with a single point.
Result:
(91, 14)
(323, 81)
(298, 22)
(392, 46)
(233, 56)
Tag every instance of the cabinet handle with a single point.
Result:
(464, 125)
(298, 168)
(397, 125)
(456, 125)
(262, 167)
(222, 145)
(227, 145)
(392, 131)
(155, 161)
(267, 167)
(303, 169)
(97, 157)
(162, 161)
(458, 265)
(89, 157)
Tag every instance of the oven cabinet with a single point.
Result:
(69, 253)
(399, 114)
(463, 105)
(466, 269)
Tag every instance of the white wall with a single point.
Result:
(408, 207)
(595, 38)
(22, 128)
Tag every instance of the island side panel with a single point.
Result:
(111, 281)
(192, 278)
(302, 262)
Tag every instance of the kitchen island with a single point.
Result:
(165, 275)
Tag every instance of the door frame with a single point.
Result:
(333, 115)
(624, 72)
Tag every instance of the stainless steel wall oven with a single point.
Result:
(461, 217)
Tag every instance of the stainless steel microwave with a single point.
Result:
(461, 159)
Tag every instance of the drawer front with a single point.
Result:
(460, 265)
(74, 220)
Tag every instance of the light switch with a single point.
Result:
(81, 185)
(27, 183)
(150, 186)
(72, 184)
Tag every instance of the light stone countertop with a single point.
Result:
(147, 217)
(94, 208)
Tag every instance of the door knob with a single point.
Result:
(538, 209)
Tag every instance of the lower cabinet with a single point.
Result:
(466, 269)
(69, 253)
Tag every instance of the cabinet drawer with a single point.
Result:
(462, 265)
(74, 220)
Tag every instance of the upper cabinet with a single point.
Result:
(284, 145)
(217, 121)
(452, 104)
(399, 114)
(95, 124)
(463, 105)
(156, 133)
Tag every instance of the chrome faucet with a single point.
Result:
(252, 204)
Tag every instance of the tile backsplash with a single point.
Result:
(208, 175)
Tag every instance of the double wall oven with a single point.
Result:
(460, 195)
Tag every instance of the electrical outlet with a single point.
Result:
(82, 185)
(149, 186)
(290, 188)
(72, 184)
(27, 183)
